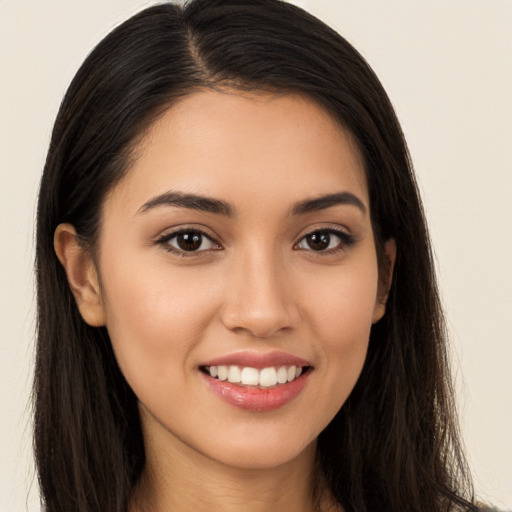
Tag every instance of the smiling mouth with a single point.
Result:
(264, 378)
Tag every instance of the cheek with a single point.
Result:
(155, 316)
(343, 303)
(341, 314)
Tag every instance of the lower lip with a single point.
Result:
(257, 399)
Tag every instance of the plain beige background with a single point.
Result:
(447, 66)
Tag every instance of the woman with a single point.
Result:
(237, 305)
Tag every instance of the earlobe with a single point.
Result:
(81, 273)
(385, 279)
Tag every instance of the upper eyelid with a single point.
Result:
(338, 233)
(335, 228)
(347, 238)
(171, 232)
(203, 230)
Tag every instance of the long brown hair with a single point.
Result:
(394, 444)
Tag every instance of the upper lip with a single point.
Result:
(257, 360)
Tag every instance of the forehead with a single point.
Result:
(243, 148)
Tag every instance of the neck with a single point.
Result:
(178, 478)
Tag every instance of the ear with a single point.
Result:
(385, 279)
(81, 272)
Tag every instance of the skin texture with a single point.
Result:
(254, 285)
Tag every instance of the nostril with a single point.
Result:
(259, 324)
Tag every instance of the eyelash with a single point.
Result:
(166, 239)
(346, 241)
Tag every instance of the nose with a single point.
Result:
(259, 297)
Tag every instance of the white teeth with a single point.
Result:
(222, 372)
(268, 377)
(234, 374)
(282, 375)
(250, 377)
(265, 378)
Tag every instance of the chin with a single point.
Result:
(263, 450)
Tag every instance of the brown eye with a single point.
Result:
(188, 241)
(325, 240)
(318, 241)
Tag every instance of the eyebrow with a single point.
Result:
(324, 202)
(219, 207)
(191, 201)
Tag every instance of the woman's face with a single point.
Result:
(239, 246)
